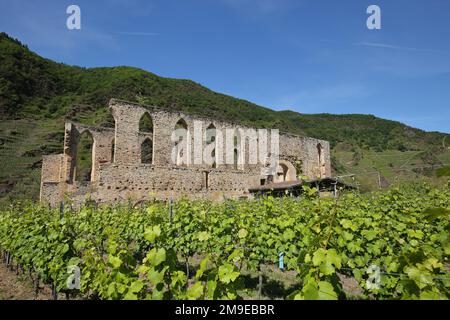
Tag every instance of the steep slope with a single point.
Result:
(37, 94)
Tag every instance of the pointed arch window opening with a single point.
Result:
(210, 137)
(320, 160)
(146, 130)
(238, 156)
(181, 145)
(84, 162)
(147, 151)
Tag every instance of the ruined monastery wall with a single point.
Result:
(118, 174)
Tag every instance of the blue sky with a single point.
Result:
(304, 55)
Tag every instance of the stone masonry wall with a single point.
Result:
(119, 183)
(304, 149)
(103, 139)
(125, 177)
(51, 176)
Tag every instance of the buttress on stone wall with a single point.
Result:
(118, 174)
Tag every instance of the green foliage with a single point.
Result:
(443, 172)
(127, 253)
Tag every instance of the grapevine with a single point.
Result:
(394, 243)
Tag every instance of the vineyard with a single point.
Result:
(394, 244)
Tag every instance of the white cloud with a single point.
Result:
(138, 33)
(389, 46)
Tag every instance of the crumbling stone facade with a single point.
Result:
(118, 174)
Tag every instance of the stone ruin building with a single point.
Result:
(131, 164)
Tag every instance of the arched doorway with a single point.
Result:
(282, 171)
(84, 157)
(285, 172)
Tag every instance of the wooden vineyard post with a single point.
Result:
(379, 179)
(36, 287)
(61, 209)
(260, 281)
(171, 210)
(187, 272)
(54, 292)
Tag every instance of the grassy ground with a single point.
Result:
(395, 167)
(21, 151)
